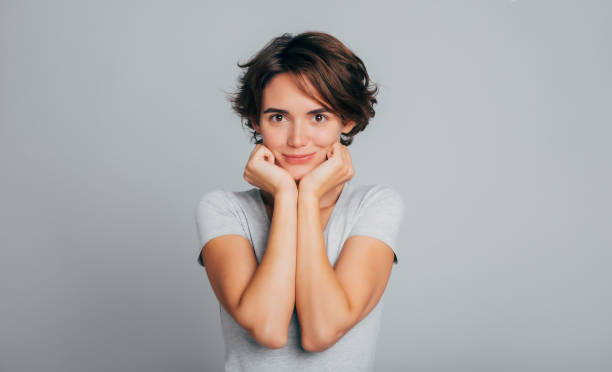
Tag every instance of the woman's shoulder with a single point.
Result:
(225, 198)
(373, 198)
(366, 191)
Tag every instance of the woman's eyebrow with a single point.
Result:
(285, 112)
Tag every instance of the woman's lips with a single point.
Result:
(299, 159)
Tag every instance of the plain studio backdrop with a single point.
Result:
(493, 121)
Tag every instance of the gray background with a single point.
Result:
(493, 121)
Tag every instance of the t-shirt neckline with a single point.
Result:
(262, 206)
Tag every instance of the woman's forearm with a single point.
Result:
(268, 302)
(321, 302)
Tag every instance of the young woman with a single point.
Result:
(299, 263)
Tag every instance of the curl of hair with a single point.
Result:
(339, 77)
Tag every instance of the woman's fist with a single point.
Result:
(261, 171)
(336, 170)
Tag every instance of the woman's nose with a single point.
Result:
(298, 135)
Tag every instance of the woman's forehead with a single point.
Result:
(290, 92)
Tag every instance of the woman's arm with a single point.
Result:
(261, 298)
(330, 301)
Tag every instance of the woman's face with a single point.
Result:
(292, 123)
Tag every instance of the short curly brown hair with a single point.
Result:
(338, 75)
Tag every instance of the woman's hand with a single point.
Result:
(336, 170)
(262, 172)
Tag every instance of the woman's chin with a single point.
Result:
(298, 174)
(298, 171)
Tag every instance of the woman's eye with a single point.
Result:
(321, 116)
(272, 117)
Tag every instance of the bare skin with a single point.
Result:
(326, 207)
(295, 272)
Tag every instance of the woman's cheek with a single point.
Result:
(325, 141)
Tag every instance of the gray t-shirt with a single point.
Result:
(371, 210)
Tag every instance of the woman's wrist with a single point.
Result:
(306, 196)
(286, 193)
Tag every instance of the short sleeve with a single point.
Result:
(380, 216)
(215, 215)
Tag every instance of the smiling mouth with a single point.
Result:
(299, 156)
(300, 159)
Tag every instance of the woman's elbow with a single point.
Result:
(317, 344)
(270, 337)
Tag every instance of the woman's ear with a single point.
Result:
(255, 125)
(348, 127)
